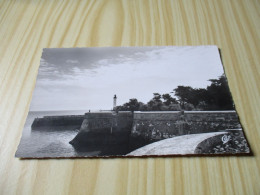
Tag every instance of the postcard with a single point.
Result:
(131, 102)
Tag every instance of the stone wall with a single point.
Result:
(58, 122)
(149, 127)
(107, 121)
(108, 133)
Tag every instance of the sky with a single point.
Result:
(88, 78)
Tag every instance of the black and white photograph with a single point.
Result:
(131, 102)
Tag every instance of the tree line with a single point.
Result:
(216, 96)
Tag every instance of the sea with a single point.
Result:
(51, 143)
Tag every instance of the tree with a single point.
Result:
(215, 97)
(157, 97)
(155, 104)
(132, 105)
(198, 96)
(174, 107)
(219, 96)
(168, 99)
(184, 94)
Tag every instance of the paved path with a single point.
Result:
(185, 144)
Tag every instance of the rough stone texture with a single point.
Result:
(149, 127)
(159, 125)
(130, 131)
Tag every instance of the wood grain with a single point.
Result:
(28, 26)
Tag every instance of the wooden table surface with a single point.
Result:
(28, 26)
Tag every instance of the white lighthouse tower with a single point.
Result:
(114, 102)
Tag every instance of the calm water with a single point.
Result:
(51, 143)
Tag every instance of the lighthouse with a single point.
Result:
(114, 102)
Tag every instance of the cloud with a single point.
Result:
(137, 75)
(72, 61)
